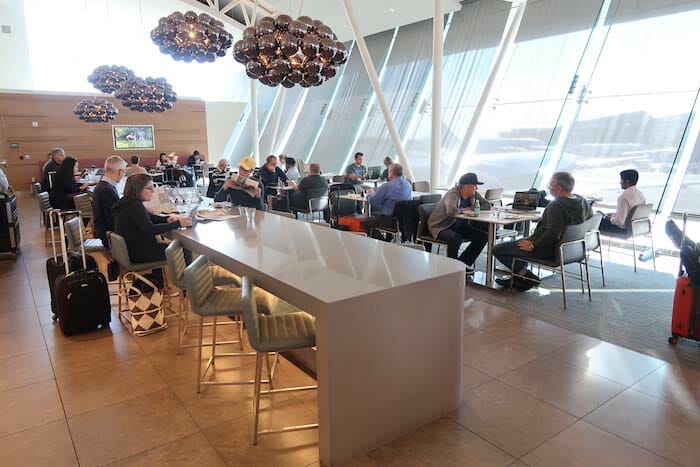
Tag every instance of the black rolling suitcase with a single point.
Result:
(9, 225)
(55, 267)
(82, 297)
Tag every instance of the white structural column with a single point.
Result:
(436, 133)
(376, 86)
(276, 118)
(255, 131)
(468, 143)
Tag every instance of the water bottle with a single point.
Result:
(477, 207)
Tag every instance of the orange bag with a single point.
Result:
(352, 223)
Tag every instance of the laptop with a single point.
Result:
(374, 172)
(525, 201)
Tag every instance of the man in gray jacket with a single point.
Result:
(443, 225)
(565, 209)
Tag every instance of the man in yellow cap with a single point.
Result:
(242, 189)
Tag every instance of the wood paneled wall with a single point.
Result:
(182, 130)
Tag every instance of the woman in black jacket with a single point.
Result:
(65, 186)
(139, 227)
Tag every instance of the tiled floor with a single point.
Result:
(533, 395)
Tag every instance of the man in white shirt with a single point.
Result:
(630, 197)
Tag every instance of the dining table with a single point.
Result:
(495, 218)
(389, 321)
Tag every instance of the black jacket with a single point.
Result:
(272, 178)
(301, 199)
(63, 187)
(240, 197)
(103, 198)
(139, 228)
(559, 213)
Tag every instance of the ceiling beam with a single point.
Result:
(229, 12)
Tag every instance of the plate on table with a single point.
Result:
(215, 215)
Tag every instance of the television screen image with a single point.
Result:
(133, 137)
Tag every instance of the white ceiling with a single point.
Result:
(372, 15)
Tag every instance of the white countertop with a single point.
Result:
(327, 264)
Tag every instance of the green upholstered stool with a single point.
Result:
(276, 332)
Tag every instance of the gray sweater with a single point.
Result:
(447, 208)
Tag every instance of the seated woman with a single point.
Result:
(64, 186)
(139, 227)
(164, 161)
(218, 177)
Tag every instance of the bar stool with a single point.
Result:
(120, 254)
(208, 300)
(175, 257)
(275, 332)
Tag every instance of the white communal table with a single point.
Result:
(389, 322)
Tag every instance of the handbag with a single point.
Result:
(146, 309)
(112, 271)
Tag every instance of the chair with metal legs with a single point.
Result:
(276, 332)
(593, 242)
(638, 224)
(175, 257)
(120, 254)
(570, 249)
(208, 300)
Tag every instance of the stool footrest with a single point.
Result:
(299, 388)
(289, 428)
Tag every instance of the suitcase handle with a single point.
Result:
(685, 222)
(61, 227)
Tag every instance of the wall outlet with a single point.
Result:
(35, 124)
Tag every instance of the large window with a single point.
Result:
(640, 99)
(516, 129)
(402, 83)
(292, 98)
(470, 47)
(243, 145)
(349, 106)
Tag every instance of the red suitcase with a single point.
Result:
(685, 321)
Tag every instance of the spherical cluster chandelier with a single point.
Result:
(286, 51)
(95, 110)
(147, 95)
(109, 78)
(188, 37)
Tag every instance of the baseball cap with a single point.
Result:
(247, 163)
(469, 178)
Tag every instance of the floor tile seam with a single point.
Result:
(115, 363)
(27, 384)
(575, 421)
(620, 437)
(580, 336)
(132, 397)
(450, 419)
(72, 417)
(98, 367)
(121, 459)
(539, 399)
(572, 365)
(695, 411)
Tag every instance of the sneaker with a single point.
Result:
(503, 282)
(469, 270)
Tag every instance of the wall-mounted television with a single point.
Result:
(133, 137)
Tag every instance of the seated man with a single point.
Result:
(105, 196)
(300, 199)
(630, 197)
(135, 168)
(292, 172)
(383, 200)
(57, 156)
(355, 173)
(270, 174)
(194, 159)
(242, 189)
(565, 209)
(443, 225)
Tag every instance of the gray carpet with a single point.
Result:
(633, 310)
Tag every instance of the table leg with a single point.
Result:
(489, 255)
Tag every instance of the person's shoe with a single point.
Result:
(503, 282)
(522, 284)
(469, 270)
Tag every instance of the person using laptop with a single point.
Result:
(384, 199)
(355, 173)
(387, 163)
(566, 209)
(443, 225)
(630, 198)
